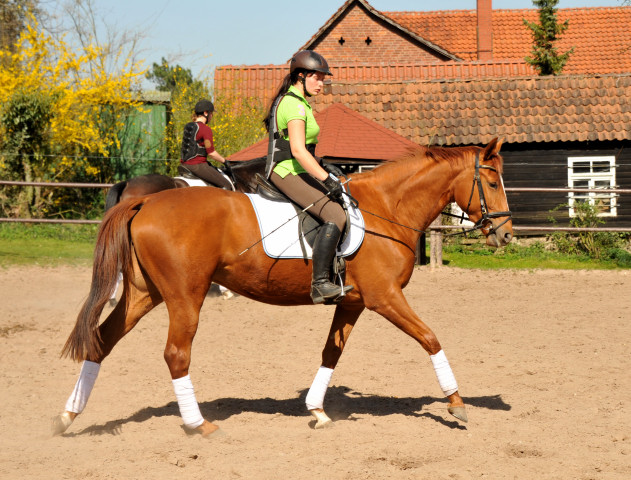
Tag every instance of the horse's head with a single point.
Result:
(480, 193)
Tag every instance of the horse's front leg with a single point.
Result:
(343, 322)
(395, 308)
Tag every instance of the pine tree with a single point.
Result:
(545, 58)
(168, 78)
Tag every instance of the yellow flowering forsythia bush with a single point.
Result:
(60, 114)
(238, 122)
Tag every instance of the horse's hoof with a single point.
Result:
(459, 412)
(206, 430)
(61, 424)
(322, 419)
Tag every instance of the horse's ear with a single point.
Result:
(493, 148)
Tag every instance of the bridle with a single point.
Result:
(486, 215)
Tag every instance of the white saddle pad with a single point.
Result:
(279, 227)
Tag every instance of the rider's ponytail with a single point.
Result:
(287, 82)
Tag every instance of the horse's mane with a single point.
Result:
(422, 154)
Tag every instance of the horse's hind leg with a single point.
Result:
(343, 322)
(396, 309)
(183, 321)
(119, 322)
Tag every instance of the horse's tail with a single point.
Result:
(111, 254)
(114, 194)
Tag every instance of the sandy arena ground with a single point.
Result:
(542, 359)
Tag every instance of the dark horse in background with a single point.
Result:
(156, 240)
(241, 174)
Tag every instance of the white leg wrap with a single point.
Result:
(445, 376)
(315, 397)
(83, 388)
(189, 409)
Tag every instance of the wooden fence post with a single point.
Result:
(436, 244)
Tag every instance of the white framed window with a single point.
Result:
(365, 168)
(593, 173)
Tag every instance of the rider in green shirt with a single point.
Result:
(294, 170)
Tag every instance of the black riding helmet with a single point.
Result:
(204, 106)
(310, 61)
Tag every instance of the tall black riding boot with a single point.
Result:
(322, 289)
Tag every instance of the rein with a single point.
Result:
(486, 215)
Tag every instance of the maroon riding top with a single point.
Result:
(204, 133)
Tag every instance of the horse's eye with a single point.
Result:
(493, 185)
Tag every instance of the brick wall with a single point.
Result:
(385, 44)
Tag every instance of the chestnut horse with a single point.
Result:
(173, 244)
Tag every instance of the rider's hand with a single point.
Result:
(333, 185)
(330, 168)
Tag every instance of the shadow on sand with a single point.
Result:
(342, 403)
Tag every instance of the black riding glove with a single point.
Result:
(333, 185)
(330, 168)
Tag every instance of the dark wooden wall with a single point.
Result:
(545, 166)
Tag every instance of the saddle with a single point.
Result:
(186, 173)
(308, 226)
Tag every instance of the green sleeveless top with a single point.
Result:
(292, 108)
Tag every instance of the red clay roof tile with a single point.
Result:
(456, 112)
(600, 36)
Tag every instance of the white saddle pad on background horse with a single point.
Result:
(279, 225)
(198, 182)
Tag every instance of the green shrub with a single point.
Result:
(593, 244)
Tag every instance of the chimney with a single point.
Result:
(485, 30)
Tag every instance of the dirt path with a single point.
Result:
(542, 359)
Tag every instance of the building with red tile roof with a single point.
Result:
(427, 77)
(365, 45)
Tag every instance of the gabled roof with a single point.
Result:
(521, 110)
(600, 36)
(345, 134)
(380, 16)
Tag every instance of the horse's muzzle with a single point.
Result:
(500, 237)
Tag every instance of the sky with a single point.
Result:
(203, 34)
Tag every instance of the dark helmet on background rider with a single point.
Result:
(204, 106)
(310, 61)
